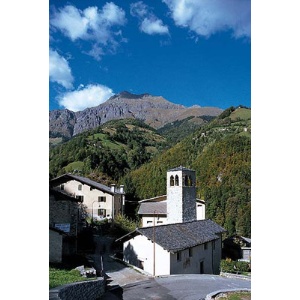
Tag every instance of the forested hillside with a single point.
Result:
(220, 153)
(108, 152)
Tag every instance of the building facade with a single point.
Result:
(64, 225)
(100, 200)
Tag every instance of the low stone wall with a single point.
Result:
(84, 290)
(214, 295)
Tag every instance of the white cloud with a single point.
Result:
(138, 9)
(206, 17)
(149, 23)
(59, 70)
(91, 24)
(153, 27)
(84, 97)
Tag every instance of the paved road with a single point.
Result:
(128, 284)
(179, 287)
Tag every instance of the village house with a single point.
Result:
(64, 225)
(183, 245)
(181, 196)
(237, 247)
(100, 200)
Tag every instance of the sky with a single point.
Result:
(191, 52)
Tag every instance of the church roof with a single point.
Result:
(180, 236)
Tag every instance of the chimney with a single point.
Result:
(122, 188)
(112, 187)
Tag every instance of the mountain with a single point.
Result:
(153, 110)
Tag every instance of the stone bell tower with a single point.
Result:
(181, 195)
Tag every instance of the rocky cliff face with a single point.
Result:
(153, 110)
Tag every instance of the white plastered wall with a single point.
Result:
(140, 248)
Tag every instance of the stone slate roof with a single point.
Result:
(180, 236)
(66, 177)
(149, 208)
(154, 199)
(180, 168)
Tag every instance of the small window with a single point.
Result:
(159, 222)
(172, 180)
(62, 187)
(190, 252)
(80, 198)
(149, 222)
(205, 246)
(101, 199)
(176, 180)
(186, 181)
(178, 256)
(102, 212)
(213, 245)
(79, 187)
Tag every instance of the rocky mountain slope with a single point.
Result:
(153, 110)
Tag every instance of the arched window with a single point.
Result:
(190, 181)
(186, 180)
(176, 180)
(172, 180)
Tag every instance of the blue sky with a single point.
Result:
(191, 52)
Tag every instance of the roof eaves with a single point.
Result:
(128, 235)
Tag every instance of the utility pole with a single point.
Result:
(154, 243)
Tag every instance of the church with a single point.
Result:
(176, 242)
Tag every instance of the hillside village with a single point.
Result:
(173, 236)
(161, 217)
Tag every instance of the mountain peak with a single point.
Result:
(128, 95)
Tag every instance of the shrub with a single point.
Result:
(230, 266)
(124, 225)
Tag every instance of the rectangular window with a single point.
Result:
(178, 256)
(213, 245)
(149, 222)
(159, 222)
(102, 212)
(190, 252)
(79, 197)
(205, 246)
(101, 199)
(79, 187)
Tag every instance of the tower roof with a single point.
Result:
(180, 168)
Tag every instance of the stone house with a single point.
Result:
(100, 200)
(64, 225)
(192, 247)
(179, 205)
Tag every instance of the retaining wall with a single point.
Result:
(84, 290)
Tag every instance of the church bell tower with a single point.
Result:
(181, 195)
